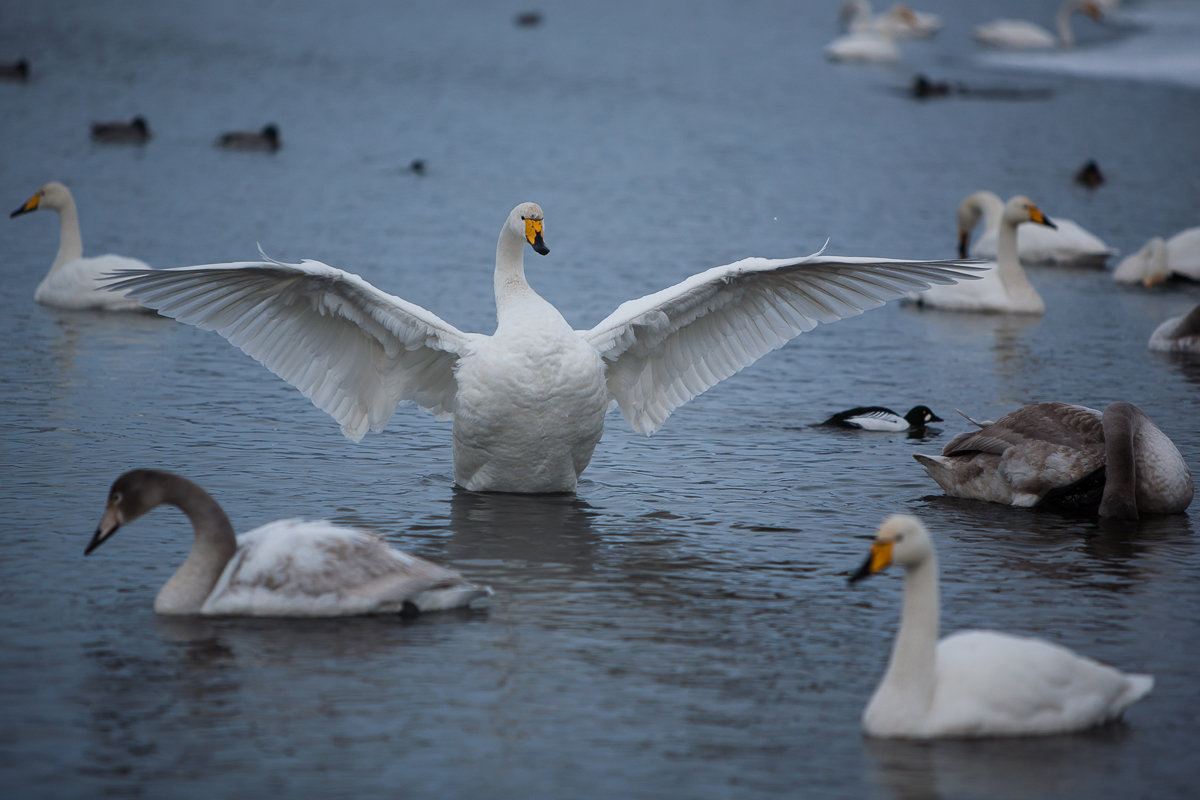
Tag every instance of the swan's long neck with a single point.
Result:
(1120, 471)
(910, 671)
(510, 283)
(70, 243)
(1008, 267)
(214, 544)
(1063, 19)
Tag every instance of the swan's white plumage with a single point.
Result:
(1004, 287)
(978, 683)
(1019, 34)
(1179, 334)
(1068, 243)
(900, 20)
(865, 47)
(1161, 259)
(74, 282)
(529, 401)
(314, 568)
(351, 349)
(665, 348)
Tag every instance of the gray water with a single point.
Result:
(680, 628)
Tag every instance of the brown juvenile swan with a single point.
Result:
(286, 568)
(1067, 456)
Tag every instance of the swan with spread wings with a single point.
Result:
(529, 401)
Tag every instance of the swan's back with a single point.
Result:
(78, 285)
(1023, 456)
(315, 568)
(997, 684)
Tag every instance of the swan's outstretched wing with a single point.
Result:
(665, 348)
(353, 350)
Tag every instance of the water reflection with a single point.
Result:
(522, 529)
(1043, 543)
(1049, 766)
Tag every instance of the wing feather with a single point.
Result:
(665, 348)
(353, 350)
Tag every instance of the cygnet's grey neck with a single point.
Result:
(214, 544)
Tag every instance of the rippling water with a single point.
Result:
(682, 627)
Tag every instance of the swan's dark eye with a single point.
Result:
(115, 497)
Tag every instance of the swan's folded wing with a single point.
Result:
(353, 350)
(665, 348)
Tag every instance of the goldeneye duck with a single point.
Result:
(878, 418)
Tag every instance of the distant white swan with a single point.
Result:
(529, 401)
(1067, 457)
(1160, 260)
(74, 281)
(1019, 34)
(864, 47)
(1066, 243)
(978, 683)
(900, 20)
(1178, 334)
(286, 568)
(1003, 288)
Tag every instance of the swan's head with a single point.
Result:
(978, 204)
(131, 496)
(525, 222)
(901, 539)
(919, 416)
(53, 195)
(1021, 209)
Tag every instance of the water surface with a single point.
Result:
(681, 627)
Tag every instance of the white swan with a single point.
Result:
(1019, 34)
(1003, 288)
(864, 47)
(73, 281)
(901, 20)
(977, 683)
(1178, 334)
(1160, 260)
(1056, 455)
(286, 568)
(529, 401)
(1066, 243)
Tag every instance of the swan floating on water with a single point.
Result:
(1019, 34)
(864, 47)
(74, 282)
(529, 401)
(901, 20)
(1118, 464)
(1003, 288)
(1160, 260)
(1065, 243)
(878, 418)
(978, 683)
(1178, 334)
(286, 568)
